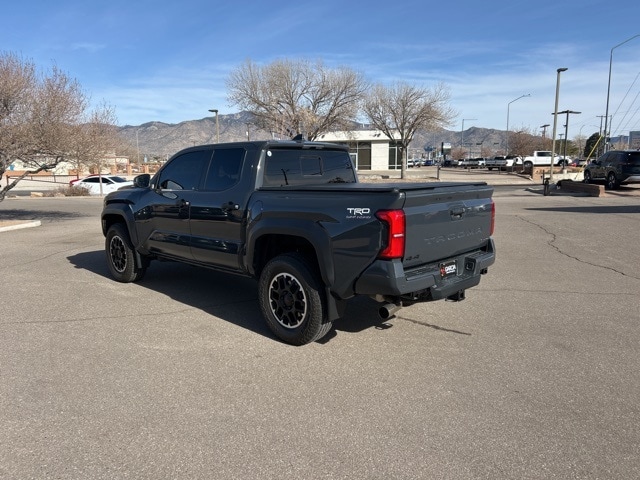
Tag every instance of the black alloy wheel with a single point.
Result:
(121, 256)
(292, 301)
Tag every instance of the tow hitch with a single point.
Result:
(456, 297)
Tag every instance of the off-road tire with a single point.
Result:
(121, 256)
(291, 297)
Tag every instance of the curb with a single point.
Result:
(588, 188)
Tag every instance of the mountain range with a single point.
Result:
(158, 140)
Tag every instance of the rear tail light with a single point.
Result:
(395, 231)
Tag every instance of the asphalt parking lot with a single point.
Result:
(535, 375)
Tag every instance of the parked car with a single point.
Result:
(615, 168)
(471, 162)
(578, 162)
(110, 183)
(76, 180)
(501, 162)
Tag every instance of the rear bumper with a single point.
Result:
(389, 278)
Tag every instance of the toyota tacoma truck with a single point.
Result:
(294, 216)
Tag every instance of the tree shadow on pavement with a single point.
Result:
(23, 214)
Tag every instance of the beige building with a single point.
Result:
(369, 149)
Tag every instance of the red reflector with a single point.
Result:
(394, 246)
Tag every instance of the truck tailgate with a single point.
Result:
(445, 220)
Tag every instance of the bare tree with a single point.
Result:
(44, 119)
(95, 138)
(293, 97)
(398, 111)
(525, 141)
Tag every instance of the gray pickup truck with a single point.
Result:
(294, 216)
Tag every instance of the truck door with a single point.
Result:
(163, 220)
(217, 209)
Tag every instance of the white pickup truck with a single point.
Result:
(501, 162)
(543, 158)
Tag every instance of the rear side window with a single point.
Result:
(185, 171)
(224, 169)
(631, 158)
(307, 167)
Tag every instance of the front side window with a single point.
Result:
(605, 159)
(185, 171)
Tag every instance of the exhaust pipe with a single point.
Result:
(388, 310)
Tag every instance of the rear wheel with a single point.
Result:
(292, 300)
(121, 256)
(587, 176)
(612, 181)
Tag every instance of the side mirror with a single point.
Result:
(142, 181)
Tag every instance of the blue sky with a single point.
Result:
(169, 61)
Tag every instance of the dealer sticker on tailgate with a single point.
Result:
(448, 268)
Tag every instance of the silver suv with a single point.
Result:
(615, 168)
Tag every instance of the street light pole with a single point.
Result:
(566, 135)
(506, 143)
(214, 110)
(555, 123)
(544, 130)
(606, 115)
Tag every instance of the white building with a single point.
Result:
(369, 149)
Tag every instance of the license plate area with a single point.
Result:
(448, 269)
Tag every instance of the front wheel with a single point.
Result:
(587, 176)
(121, 256)
(292, 300)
